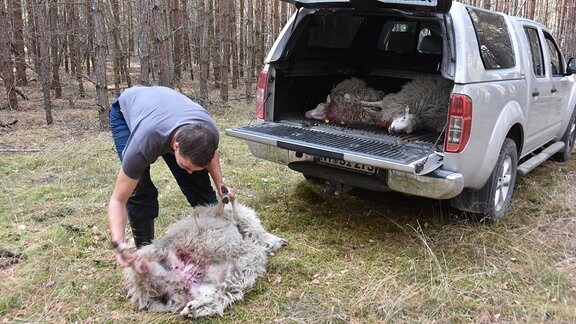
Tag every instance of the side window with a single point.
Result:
(535, 51)
(493, 39)
(555, 58)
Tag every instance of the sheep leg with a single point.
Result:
(374, 106)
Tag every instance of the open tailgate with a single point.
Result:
(408, 153)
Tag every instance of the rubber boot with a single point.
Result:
(143, 232)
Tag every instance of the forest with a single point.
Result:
(220, 44)
(366, 257)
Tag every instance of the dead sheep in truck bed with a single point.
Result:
(421, 104)
(341, 108)
(203, 264)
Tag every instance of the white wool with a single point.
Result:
(225, 250)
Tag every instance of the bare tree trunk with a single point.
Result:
(234, 46)
(64, 46)
(15, 7)
(224, 32)
(214, 18)
(178, 44)
(100, 46)
(563, 25)
(88, 54)
(275, 17)
(249, 60)
(241, 39)
(75, 52)
(161, 43)
(204, 48)
(6, 60)
(55, 49)
(258, 34)
(33, 31)
(192, 38)
(113, 26)
(531, 9)
(43, 55)
(144, 42)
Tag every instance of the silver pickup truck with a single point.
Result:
(511, 107)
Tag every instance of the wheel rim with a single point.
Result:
(503, 184)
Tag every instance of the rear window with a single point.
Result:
(493, 39)
(337, 32)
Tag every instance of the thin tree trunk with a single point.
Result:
(224, 32)
(130, 33)
(89, 56)
(249, 60)
(6, 61)
(204, 48)
(234, 46)
(43, 55)
(33, 31)
(100, 46)
(192, 38)
(55, 49)
(178, 43)
(113, 27)
(275, 17)
(75, 51)
(258, 34)
(213, 37)
(64, 46)
(241, 40)
(161, 43)
(144, 42)
(15, 7)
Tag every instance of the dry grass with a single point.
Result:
(363, 258)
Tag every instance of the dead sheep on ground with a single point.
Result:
(203, 263)
(421, 104)
(340, 107)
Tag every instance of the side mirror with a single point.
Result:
(571, 66)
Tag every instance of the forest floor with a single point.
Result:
(364, 257)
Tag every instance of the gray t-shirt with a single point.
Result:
(153, 114)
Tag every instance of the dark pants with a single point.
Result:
(142, 206)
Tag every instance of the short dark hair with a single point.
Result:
(198, 143)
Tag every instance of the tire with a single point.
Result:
(569, 139)
(497, 192)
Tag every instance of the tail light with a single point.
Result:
(261, 95)
(459, 123)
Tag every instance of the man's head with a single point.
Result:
(195, 146)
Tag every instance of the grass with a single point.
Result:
(362, 258)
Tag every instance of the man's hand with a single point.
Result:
(122, 254)
(227, 194)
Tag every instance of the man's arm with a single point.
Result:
(216, 174)
(117, 217)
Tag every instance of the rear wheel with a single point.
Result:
(569, 139)
(497, 192)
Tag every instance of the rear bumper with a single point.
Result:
(438, 184)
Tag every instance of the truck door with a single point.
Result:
(560, 84)
(541, 100)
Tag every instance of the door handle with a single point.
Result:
(535, 93)
(554, 90)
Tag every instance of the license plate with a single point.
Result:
(352, 166)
